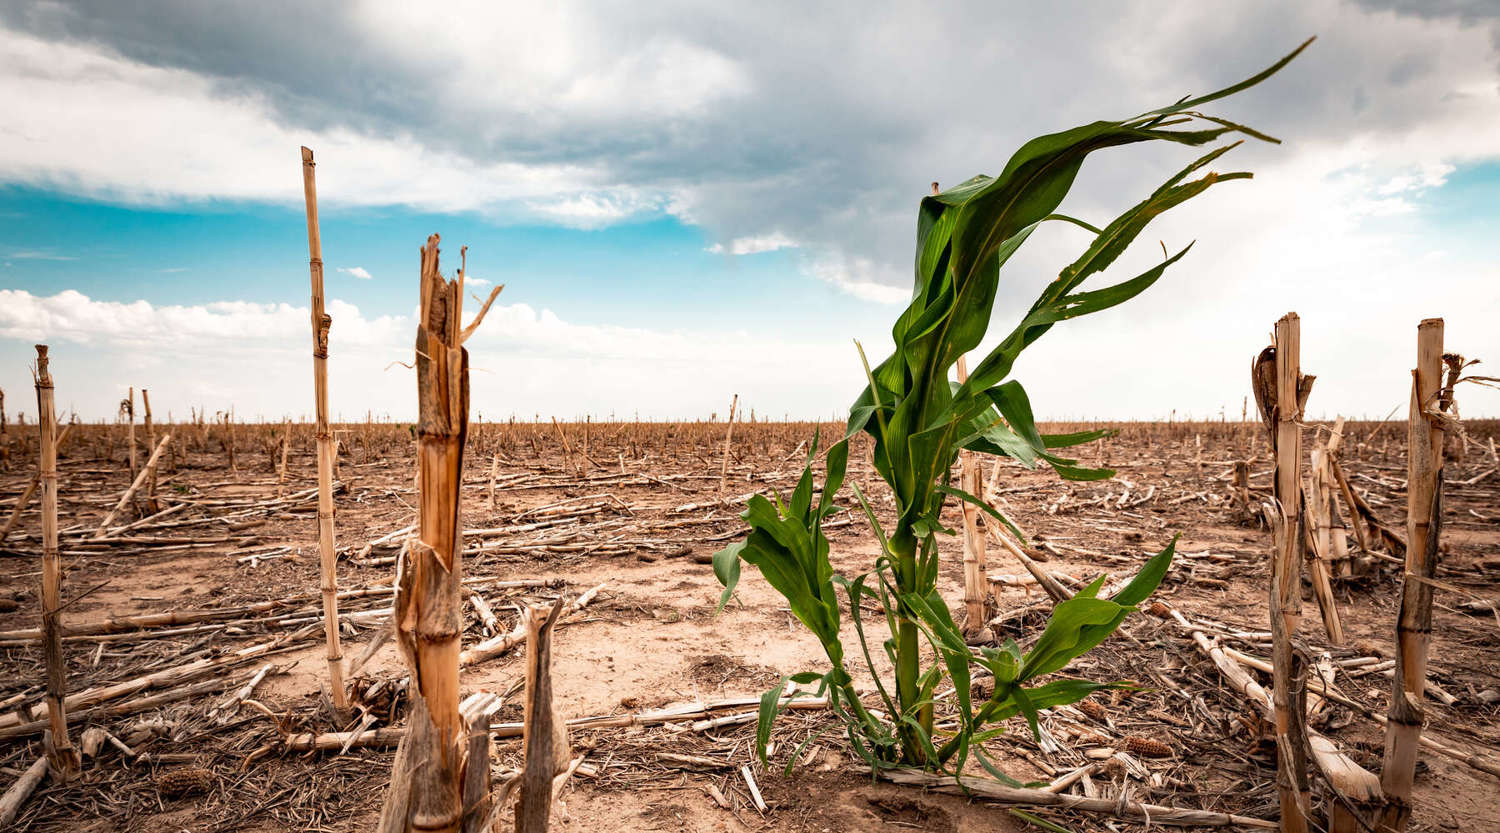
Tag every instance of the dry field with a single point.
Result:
(223, 560)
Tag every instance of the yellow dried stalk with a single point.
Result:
(427, 782)
(1414, 626)
(327, 560)
(976, 585)
(60, 750)
(1281, 391)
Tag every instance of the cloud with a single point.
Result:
(754, 245)
(231, 349)
(722, 117)
(595, 209)
(355, 272)
(473, 281)
(589, 115)
(32, 254)
(72, 316)
(98, 124)
(858, 277)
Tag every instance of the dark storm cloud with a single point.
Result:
(826, 122)
(1467, 11)
(304, 56)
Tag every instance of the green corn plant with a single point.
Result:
(919, 420)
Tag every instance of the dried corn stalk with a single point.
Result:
(60, 750)
(545, 735)
(976, 585)
(1281, 391)
(1424, 508)
(327, 559)
(427, 783)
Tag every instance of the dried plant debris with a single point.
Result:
(190, 656)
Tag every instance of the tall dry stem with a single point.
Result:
(1280, 392)
(321, 321)
(4, 436)
(427, 780)
(976, 584)
(1424, 503)
(151, 507)
(286, 445)
(60, 749)
(128, 408)
(728, 439)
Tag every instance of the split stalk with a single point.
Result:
(428, 781)
(1424, 494)
(1281, 390)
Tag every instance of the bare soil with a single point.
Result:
(639, 509)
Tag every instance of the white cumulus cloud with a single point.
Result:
(589, 115)
(859, 277)
(102, 125)
(525, 361)
(754, 245)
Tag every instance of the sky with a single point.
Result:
(691, 201)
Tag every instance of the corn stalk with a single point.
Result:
(60, 750)
(151, 506)
(427, 782)
(919, 421)
(1281, 391)
(327, 557)
(1424, 513)
(4, 436)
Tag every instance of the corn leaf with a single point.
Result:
(918, 420)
